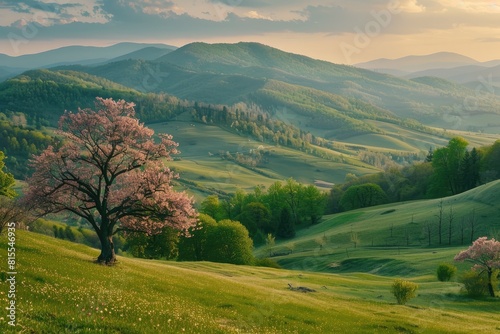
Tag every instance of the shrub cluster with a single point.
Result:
(445, 272)
(403, 290)
(476, 283)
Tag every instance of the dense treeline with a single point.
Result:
(228, 228)
(43, 96)
(447, 171)
(342, 116)
(279, 210)
(19, 143)
(253, 121)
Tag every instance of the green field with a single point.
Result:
(199, 161)
(60, 290)
(393, 238)
(201, 146)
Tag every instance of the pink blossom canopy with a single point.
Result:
(109, 170)
(485, 253)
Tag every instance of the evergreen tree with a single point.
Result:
(475, 167)
(68, 233)
(286, 228)
(60, 232)
(430, 155)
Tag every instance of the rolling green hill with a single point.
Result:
(355, 126)
(148, 76)
(425, 100)
(45, 94)
(200, 161)
(60, 290)
(394, 238)
(231, 73)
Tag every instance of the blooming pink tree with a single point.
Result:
(109, 170)
(486, 256)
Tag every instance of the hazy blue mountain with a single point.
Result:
(425, 101)
(419, 63)
(75, 55)
(9, 72)
(146, 76)
(445, 65)
(147, 53)
(232, 73)
(463, 74)
(491, 63)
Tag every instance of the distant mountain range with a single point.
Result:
(279, 81)
(244, 72)
(411, 64)
(445, 65)
(82, 55)
(316, 120)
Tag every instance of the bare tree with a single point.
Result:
(355, 239)
(407, 236)
(440, 221)
(451, 217)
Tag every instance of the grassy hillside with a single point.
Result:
(394, 238)
(148, 76)
(357, 127)
(200, 160)
(60, 290)
(230, 73)
(425, 100)
(45, 95)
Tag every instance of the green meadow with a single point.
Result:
(393, 239)
(60, 290)
(347, 261)
(199, 160)
(201, 164)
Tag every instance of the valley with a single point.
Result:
(268, 139)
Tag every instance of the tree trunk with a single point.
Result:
(490, 285)
(107, 255)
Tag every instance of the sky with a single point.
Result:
(340, 31)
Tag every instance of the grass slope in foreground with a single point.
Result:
(393, 238)
(60, 290)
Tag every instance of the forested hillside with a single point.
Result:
(314, 122)
(19, 142)
(44, 95)
(229, 73)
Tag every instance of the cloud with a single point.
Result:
(29, 6)
(411, 6)
(253, 14)
(50, 13)
(473, 6)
